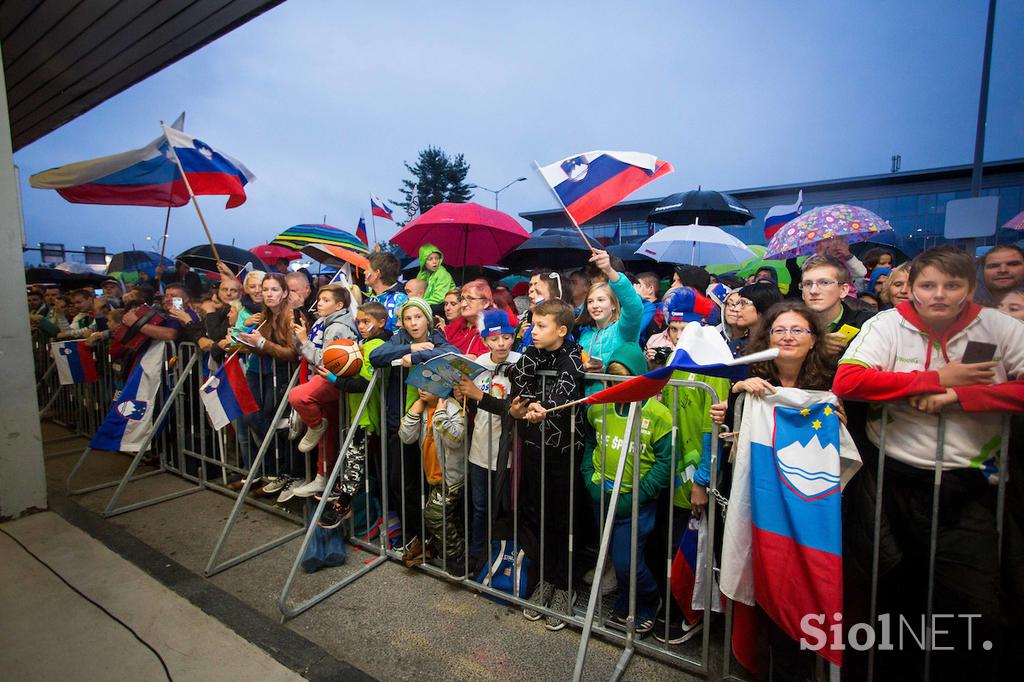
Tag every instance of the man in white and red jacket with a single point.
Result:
(911, 358)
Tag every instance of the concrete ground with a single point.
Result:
(393, 624)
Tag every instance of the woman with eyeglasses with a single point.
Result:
(462, 332)
(742, 310)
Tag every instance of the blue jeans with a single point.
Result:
(268, 391)
(622, 536)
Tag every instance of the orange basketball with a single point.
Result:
(343, 358)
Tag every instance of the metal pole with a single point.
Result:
(979, 135)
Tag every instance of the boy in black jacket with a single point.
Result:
(554, 434)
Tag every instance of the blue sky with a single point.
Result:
(323, 101)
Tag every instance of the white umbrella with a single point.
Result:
(696, 245)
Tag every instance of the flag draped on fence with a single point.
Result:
(380, 208)
(74, 362)
(149, 176)
(783, 534)
(129, 423)
(226, 395)
(589, 183)
(701, 350)
(778, 216)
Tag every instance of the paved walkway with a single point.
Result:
(50, 632)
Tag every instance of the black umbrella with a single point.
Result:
(557, 248)
(201, 258)
(704, 206)
(860, 249)
(45, 276)
(132, 261)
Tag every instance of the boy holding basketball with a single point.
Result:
(316, 401)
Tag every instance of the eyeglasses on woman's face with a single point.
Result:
(795, 332)
(738, 303)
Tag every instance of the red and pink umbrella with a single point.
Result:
(467, 234)
(1016, 222)
(269, 253)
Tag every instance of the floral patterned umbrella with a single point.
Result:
(799, 236)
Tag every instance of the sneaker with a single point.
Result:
(274, 485)
(541, 597)
(288, 492)
(295, 425)
(412, 553)
(677, 632)
(312, 437)
(310, 488)
(644, 624)
(561, 602)
(609, 583)
(334, 514)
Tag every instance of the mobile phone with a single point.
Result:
(177, 302)
(978, 351)
(848, 332)
(98, 292)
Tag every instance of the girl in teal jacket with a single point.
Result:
(611, 318)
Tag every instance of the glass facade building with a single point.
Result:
(913, 202)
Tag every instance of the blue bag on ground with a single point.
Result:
(506, 570)
(325, 548)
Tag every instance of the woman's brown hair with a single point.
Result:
(819, 367)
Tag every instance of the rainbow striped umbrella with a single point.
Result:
(298, 236)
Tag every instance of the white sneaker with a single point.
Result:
(288, 492)
(310, 488)
(312, 437)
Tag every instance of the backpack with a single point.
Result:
(506, 570)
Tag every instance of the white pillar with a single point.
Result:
(22, 476)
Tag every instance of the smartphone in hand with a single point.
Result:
(978, 351)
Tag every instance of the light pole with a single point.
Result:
(496, 192)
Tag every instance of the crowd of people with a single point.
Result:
(873, 332)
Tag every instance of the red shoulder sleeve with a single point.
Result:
(865, 383)
(1008, 397)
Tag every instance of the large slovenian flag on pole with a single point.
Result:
(380, 208)
(226, 395)
(701, 350)
(150, 176)
(129, 424)
(589, 183)
(74, 362)
(783, 534)
(778, 216)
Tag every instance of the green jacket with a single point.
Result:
(693, 440)
(440, 281)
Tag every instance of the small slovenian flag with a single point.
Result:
(778, 216)
(226, 395)
(74, 361)
(361, 231)
(587, 184)
(380, 209)
(701, 350)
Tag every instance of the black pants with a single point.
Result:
(407, 487)
(966, 574)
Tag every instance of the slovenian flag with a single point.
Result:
(380, 209)
(129, 424)
(74, 362)
(587, 184)
(361, 231)
(783, 539)
(226, 395)
(149, 176)
(701, 350)
(778, 216)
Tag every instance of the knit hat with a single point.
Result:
(685, 304)
(416, 302)
(494, 321)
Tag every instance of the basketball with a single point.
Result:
(343, 358)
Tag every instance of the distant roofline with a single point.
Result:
(889, 178)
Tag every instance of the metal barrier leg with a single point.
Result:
(933, 548)
(282, 602)
(212, 567)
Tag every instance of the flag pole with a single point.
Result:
(181, 169)
(373, 222)
(559, 199)
(167, 224)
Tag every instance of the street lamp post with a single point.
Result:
(496, 192)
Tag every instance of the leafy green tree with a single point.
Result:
(436, 178)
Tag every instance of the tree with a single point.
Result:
(436, 178)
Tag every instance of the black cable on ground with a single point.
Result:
(77, 591)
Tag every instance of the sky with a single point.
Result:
(324, 101)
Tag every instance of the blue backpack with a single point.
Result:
(507, 570)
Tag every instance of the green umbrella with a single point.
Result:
(721, 269)
(779, 266)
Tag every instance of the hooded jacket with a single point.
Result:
(448, 424)
(466, 337)
(337, 325)
(566, 364)
(602, 343)
(440, 281)
(394, 349)
(392, 299)
(897, 356)
(609, 425)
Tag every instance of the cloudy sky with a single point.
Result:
(323, 101)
